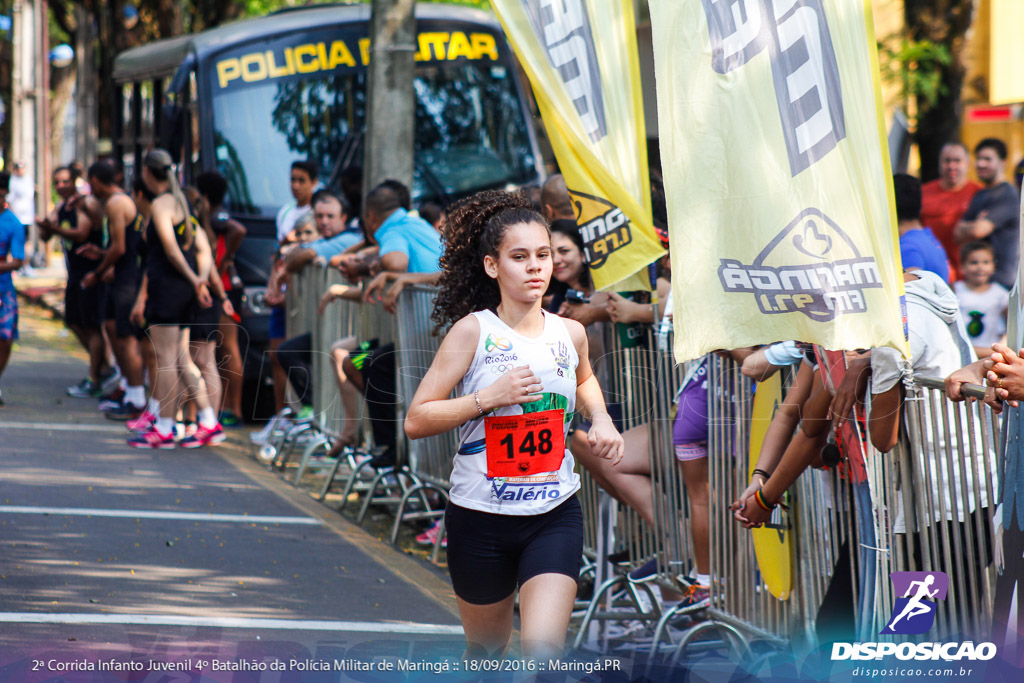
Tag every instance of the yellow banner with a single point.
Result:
(780, 200)
(581, 58)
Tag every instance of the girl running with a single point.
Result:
(177, 272)
(521, 372)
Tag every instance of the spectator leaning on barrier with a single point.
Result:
(938, 346)
(919, 248)
(296, 355)
(994, 213)
(12, 256)
(945, 199)
(406, 244)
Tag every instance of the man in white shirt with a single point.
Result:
(303, 184)
(22, 197)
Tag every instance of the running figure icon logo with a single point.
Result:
(914, 612)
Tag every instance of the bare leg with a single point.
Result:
(488, 627)
(631, 478)
(580, 448)
(165, 383)
(126, 351)
(545, 605)
(695, 477)
(97, 353)
(280, 378)
(191, 378)
(231, 368)
(5, 353)
(149, 358)
(340, 351)
(204, 355)
(354, 376)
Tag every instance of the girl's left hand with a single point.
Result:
(203, 295)
(605, 440)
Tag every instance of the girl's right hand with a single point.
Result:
(517, 386)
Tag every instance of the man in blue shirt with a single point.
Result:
(12, 256)
(920, 249)
(406, 245)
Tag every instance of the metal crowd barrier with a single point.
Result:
(946, 483)
(423, 467)
(642, 378)
(945, 462)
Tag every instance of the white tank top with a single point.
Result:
(552, 357)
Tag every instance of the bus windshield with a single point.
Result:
(470, 132)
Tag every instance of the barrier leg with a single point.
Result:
(418, 488)
(307, 453)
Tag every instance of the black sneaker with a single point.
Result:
(84, 389)
(124, 411)
(648, 571)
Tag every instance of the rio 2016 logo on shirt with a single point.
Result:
(811, 267)
(803, 61)
(494, 343)
(914, 611)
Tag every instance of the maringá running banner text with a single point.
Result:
(779, 192)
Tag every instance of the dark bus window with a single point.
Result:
(470, 133)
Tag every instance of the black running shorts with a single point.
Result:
(490, 555)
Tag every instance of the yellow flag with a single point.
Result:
(581, 58)
(780, 199)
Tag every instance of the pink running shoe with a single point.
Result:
(204, 436)
(429, 537)
(152, 439)
(142, 423)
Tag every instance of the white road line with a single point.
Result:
(65, 427)
(230, 622)
(158, 514)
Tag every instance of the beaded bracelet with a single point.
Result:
(476, 397)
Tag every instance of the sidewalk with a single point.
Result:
(44, 286)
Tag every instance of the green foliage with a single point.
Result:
(916, 66)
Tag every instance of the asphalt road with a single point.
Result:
(191, 560)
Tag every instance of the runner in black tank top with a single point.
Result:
(82, 307)
(177, 271)
(171, 298)
(119, 269)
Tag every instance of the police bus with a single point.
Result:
(248, 98)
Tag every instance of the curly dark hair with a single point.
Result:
(474, 228)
